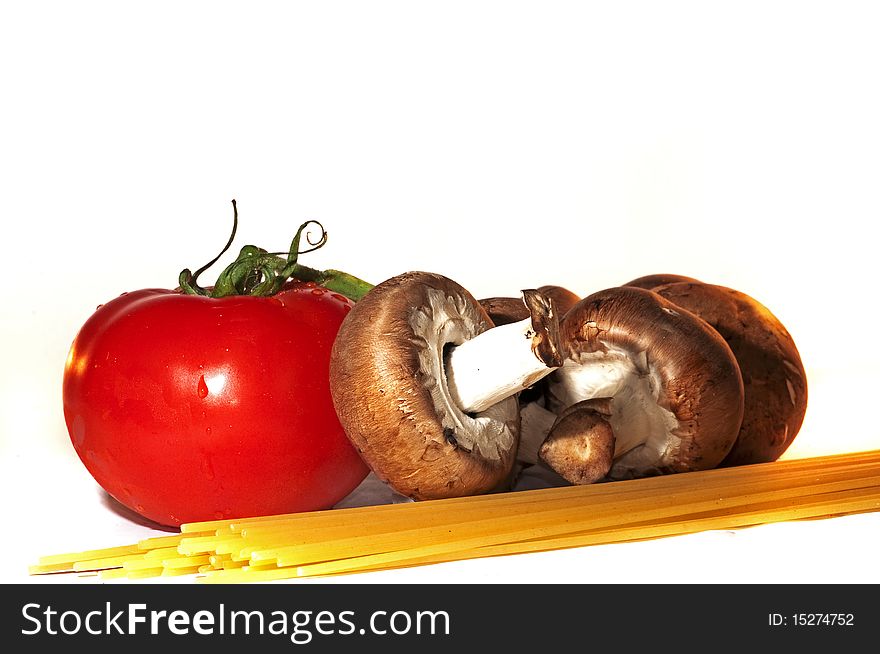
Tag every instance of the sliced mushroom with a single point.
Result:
(773, 375)
(425, 387)
(676, 394)
(504, 310)
(580, 444)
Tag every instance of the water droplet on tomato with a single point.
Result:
(208, 431)
(202, 388)
(208, 469)
(139, 508)
(79, 431)
(276, 301)
(346, 308)
(218, 515)
(98, 307)
(310, 284)
(318, 291)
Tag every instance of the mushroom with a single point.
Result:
(425, 387)
(676, 394)
(505, 310)
(580, 444)
(773, 375)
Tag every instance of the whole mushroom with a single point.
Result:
(580, 443)
(425, 387)
(773, 375)
(674, 389)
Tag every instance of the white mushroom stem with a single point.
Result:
(637, 418)
(494, 365)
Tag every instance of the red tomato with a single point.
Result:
(188, 408)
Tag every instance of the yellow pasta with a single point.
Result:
(346, 541)
(88, 554)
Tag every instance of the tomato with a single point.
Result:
(188, 408)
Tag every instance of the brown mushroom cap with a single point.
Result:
(389, 389)
(506, 310)
(580, 445)
(682, 390)
(773, 376)
(650, 282)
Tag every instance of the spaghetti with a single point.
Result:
(362, 539)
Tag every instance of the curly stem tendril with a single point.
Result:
(259, 273)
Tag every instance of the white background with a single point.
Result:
(506, 145)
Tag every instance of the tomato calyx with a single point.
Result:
(260, 273)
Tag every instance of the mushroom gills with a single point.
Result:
(643, 429)
(535, 423)
(443, 324)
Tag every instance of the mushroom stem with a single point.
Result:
(493, 366)
(505, 360)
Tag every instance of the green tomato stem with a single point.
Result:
(259, 273)
(337, 281)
